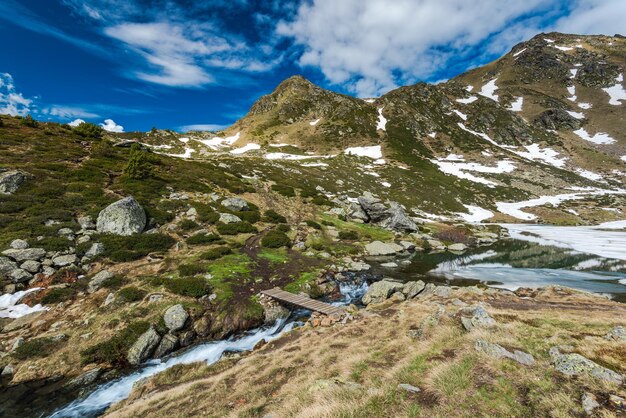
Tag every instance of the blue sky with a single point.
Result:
(177, 64)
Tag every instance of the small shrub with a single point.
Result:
(55, 243)
(308, 192)
(114, 282)
(58, 294)
(88, 130)
(455, 235)
(189, 286)
(188, 225)
(235, 228)
(250, 216)
(191, 269)
(131, 293)
(133, 247)
(114, 349)
(29, 121)
(37, 347)
(201, 239)
(327, 223)
(206, 214)
(138, 166)
(283, 228)
(313, 224)
(215, 253)
(286, 191)
(320, 201)
(348, 235)
(273, 217)
(275, 239)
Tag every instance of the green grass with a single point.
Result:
(305, 279)
(457, 377)
(274, 255)
(231, 266)
(371, 232)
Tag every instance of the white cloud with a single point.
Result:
(371, 46)
(203, 127)
(111, 126)
(68, 112)
(11, 102)
(76, 122)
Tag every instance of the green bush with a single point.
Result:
(283, 228)
(308, 192)
(206, 213)
(191, 269)
(273, 217)
(58, 294)
(114, 282)
(88, 130)
(188, 225)
(275, 239)
(286, 191)
(320, 201)
(215, 253)
(114, 350)
(189, 286)
(348, 235)
(138, 166)
(235, 228)
(133, 247)
(55, 243)
(37, 347)
(313, 224)
(131, 293)
(29, 121)
(200, 239)
(250, 216)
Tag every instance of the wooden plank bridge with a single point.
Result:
(303, 302)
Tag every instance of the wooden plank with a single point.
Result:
(303, 302)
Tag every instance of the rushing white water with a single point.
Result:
(118, 390)
(11, 308)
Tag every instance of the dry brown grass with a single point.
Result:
(353, 370)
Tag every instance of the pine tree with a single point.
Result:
(138, 166)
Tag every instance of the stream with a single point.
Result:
(117, 390)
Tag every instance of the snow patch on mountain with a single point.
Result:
(382, 122)
(476, 214)
(548, 155)
(489, 89)
(245, 148)
(315, 122)
(598, 138)
(217, 142)
(616, 92)
(469, 100)
(373, 152)
(516, 106)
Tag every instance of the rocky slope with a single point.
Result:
(117, 248)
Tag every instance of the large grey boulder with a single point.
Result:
(380, 291)
(374, 208)
(24, 254)
(6, 266)
(96, 249)
(355, 211)
(168, 344)
(10, 181)
(617, 334)
(573, 364)
(31, 266)
(229, 218)
(398, 220)
(235, 204)
(412, 289)
(480, 319)
(499, 352)
(98, 280)
(19, 244)
(65, 260)
(19, 276)
(143, 348)
(382, 248)
(124, 217)
(175, 317)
